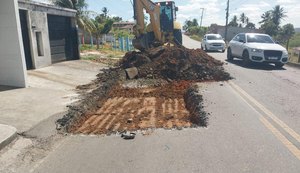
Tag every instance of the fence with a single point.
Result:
(120, 44)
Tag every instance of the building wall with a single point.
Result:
(12, 58)
(38, 23)
(232, 31)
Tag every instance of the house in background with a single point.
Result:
(231, 31)
(127, 26)
(34, 35)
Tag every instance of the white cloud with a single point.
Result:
(213, 9)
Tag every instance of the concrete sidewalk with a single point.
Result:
(7, 134)
(50, 90)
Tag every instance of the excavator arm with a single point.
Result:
(162, 28)
(154, 11)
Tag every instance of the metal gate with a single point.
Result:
(61, 35)
(25, 36)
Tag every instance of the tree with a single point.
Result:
(102, 25)
(82, 16)
(97, 30)
(271, 20)
(190, 23)
(247, 20)
(267, 16)
(117, 19)
(286, 33)
(105, 11)
(234, 21)
(270, 28)
(243, 19)
(278, 14)
(250, 25)
(195, 22)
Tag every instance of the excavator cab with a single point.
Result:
(166, 16)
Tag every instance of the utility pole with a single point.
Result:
(227, 15)
(201, 17)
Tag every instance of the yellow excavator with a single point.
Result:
(163, 27)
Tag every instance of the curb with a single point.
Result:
(7, 135)
(293, 64)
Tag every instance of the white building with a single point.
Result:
(34, 35)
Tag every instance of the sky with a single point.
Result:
(214, 9)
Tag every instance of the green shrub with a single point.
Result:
(295, 41)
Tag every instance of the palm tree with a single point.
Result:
(267, 16)
(243, 18)
(80, 6)
(105, 11)
(278, 14)
(97, 31)
(101, 28)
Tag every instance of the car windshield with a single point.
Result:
(259, 39)
(214, 37)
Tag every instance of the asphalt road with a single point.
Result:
(253, 127)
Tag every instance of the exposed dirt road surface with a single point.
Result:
(253, 127)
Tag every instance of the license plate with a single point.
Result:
(273, 58)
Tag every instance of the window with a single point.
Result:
(242, 38)
(253, 38)
(236, 38)
(39, 42)
(214, 37)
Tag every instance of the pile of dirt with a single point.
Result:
(175, 63)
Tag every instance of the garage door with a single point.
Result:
(63, 38)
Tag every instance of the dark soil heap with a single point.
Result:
(175, 63)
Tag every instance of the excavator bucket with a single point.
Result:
(141, 43)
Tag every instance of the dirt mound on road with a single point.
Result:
(176, 63)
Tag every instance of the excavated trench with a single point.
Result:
(131, 109)
(162, 94)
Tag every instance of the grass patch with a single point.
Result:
(105, 49)
(196, 37)
(90, 57)
(295, 41)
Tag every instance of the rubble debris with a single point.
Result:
(175, 63)
(128, 136)
(132, 72)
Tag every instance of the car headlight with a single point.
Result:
(286, 53)
(256, 50)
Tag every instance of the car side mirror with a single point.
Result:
(242, 41)
(277, 42)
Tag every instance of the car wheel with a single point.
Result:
(279, 65)
(206, 49)
(246, 60)
(201, 47)
(223, 50)
(229, 55)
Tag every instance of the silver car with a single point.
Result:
(253, 47)
(213, 42)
